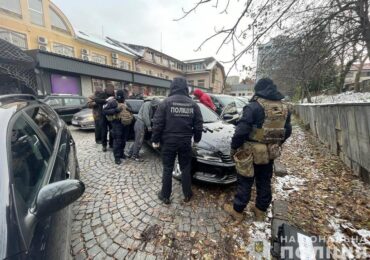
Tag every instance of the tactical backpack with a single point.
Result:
(125, 115)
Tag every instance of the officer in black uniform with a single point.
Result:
(176, 121)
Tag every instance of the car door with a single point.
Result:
(30, 166)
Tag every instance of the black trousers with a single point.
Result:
(106, 128)
(262, 176)
(119, 132)
(97, 130)
(171, 149)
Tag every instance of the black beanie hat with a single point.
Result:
(262, 84)
(120, 95)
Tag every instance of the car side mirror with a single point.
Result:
(228, 117)
(56, 196)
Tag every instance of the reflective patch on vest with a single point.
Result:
(182, 109)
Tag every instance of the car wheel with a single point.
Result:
(176, 174)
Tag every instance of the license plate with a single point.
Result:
(75, 122)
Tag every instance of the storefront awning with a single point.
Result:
(52, 61)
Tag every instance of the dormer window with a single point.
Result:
(57, 21)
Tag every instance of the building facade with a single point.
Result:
(37, 24)
(41, 25)
(242, 90)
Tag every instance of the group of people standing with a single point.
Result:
(176, 124)
(114, 118)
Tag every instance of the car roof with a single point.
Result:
(16, 102)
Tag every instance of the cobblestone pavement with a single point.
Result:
(119, 216)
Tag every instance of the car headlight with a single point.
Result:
(88, 119)
(208, 155)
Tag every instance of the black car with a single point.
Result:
(39, 178)
(66, 105)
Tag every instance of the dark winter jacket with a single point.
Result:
(205, 99)
(254, 115)
(178, 116)
(96, 102)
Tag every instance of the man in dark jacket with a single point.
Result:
(176, 121)
(112, 110)
(91, 103)
(253, 121)
(105, 126)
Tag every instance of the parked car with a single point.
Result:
(66, 105)
(39, 179)
(221, 101)
(212, 162)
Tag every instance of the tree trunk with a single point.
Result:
(344, 72)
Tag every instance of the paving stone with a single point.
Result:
(121, 253)
(120, 203)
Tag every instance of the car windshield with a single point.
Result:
(239, 103)
(208, 115)
(135, 105)
(225, 100)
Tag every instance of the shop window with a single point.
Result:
(57, 21)
(18, 39)
(63, 49)
(98, 58)
(191, 82)
(13, 6)
(98, 83)
(201, 83)
(36, 12)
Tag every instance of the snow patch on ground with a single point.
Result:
(346, 97)
(259, 242)
(287, 184)
(347, 242)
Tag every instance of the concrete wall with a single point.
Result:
(345, 129)
(86, 86)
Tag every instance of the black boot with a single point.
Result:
(104, 149)
(163, 199)
(117, 161)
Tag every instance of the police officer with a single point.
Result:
(176, 121)
(264, 126)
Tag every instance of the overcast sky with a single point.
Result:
(143, 21)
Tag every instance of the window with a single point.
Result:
(29, 160)
(98, 58)
(57, 21)
(13, 6)
(124, 65)
(98, 83)
(198, 66)
(46, 121)
(63, 49)
(201, 83)
(72, 102)
(54, 102)
(36, 12)
(18, 39)
(191, 82)
(208, 115)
